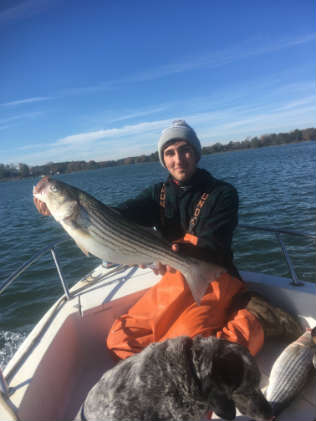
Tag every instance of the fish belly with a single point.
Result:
(133, 249)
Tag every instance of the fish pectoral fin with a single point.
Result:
(82, 248)
(84, 251)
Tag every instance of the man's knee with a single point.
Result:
(245, 329)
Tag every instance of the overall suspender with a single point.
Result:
(196, 213)
(162, 204)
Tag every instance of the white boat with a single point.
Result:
(65, 354)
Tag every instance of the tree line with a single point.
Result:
(13, 171)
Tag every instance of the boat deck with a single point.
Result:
(71, 355)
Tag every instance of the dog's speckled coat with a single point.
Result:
(179, 379)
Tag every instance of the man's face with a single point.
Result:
(180, 160)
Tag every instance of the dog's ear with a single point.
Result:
(228, 368)
(202, 357)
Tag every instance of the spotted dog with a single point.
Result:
(179, 379)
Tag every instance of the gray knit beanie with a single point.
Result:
(179, 130)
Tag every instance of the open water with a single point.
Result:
(276, 187)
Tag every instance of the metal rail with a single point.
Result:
(34, 259)
(5, 400)
(278, 232)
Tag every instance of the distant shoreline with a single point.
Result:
(23, 171)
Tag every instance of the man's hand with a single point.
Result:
(161, 269)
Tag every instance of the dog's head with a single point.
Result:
(215, 389)
(229, 378)
(247, 396)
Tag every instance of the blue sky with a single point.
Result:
(82, 80)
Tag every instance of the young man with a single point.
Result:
(199, 213)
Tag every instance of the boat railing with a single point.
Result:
(33, 259)
(278, 232)
(52, 249)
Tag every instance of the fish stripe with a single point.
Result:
(288, 378)
(138, 244)
(117, 231)
(112, 229)
(130, 244)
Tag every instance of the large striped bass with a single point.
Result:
(101, 231)
(291, 371)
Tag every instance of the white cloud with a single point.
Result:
(20, 117)
(216, 59)
(230, 123)
(298, 103)
(261, 123)
(128, 130)
(25, 101)
(138, 114)
(213, 59)
(207, 60)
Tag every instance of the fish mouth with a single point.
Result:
(38, 196)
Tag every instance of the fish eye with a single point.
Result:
(53, 188)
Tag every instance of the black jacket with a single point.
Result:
(215, 225)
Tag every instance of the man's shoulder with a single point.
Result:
(152, 192)
(156, 188)
(213, 184)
